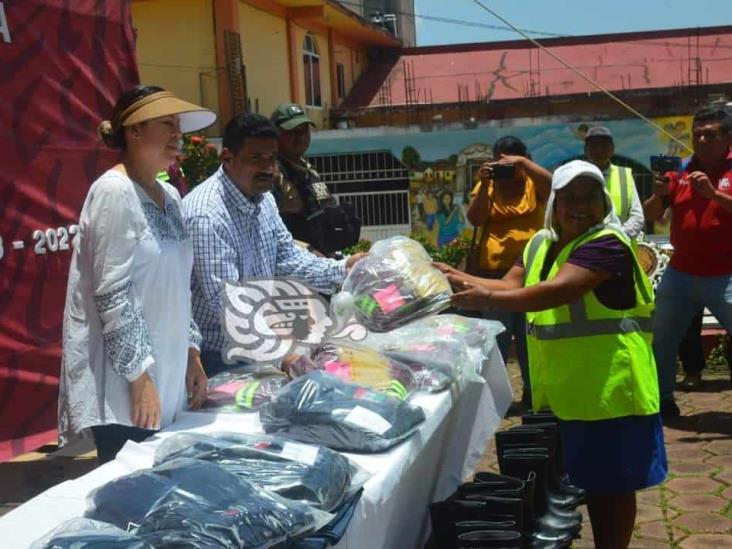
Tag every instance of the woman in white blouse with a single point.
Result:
(130, 346)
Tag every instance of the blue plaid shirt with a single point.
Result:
(235, 238)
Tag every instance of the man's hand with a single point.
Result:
(145, 403)
(702, 185)
(196, 380)
(353, 259)
(661, 185)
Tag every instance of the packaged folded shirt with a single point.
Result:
(192, 503)
(84, 533)
(310, 474)
(322, 409)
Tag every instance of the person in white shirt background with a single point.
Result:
(130, 347)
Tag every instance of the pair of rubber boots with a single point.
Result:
(477, 512)
(532, 505)
(533, 450)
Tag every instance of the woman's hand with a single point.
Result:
(446, 269)
(471, 297)
(196, 380)
(145, 403)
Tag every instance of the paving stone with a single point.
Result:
(644, 543)
(648, 513)
(706, 541)
(698, 502)
(703, 522)
(649, 497)
(727, 494)
(655, 530)
(725, 475)
(685, 452)
(693, 485)
(720, 447)
(691, 467)
(718, 461)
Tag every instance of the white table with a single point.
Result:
(392, 512)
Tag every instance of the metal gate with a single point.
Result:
(376, 183)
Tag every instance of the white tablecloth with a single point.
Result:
(392, 512)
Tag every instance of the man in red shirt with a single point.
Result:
(700, 272)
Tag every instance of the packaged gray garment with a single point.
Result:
(313, 475)
(83, 533)
(322, 409)
(192, 503)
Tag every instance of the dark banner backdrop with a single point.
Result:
(63, 63)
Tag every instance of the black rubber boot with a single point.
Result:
(490, 539)
(519, 439)
(521, 466)
(444, 515)
(504, 486)
(465, 526)
(551, 429)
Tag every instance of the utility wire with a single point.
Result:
(584, 77)
(461, 22)
(465, 23)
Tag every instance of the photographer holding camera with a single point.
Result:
(306, 206)
(507, 208)
(700, 271)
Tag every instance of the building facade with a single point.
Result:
(251, 55)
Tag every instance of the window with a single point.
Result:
(311, 64)
(341, 77)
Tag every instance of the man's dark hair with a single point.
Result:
(508, 144)
(247, 125)
(715, 113)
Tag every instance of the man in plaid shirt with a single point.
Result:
(237, 232)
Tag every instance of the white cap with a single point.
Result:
(563, 176)
(566, 173)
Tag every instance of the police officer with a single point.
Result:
(599, 149)
(306, 206)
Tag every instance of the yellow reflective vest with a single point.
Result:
(621, 186)
(586, 361)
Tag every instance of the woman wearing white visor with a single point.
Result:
(130, 347)
(589, 309)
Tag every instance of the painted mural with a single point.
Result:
(443, 164)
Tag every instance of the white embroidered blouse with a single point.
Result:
(128, 306)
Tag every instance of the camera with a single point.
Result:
(661, 163)
(503, 171)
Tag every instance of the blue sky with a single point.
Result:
(567, 17)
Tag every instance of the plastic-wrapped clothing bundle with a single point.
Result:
(479, 334)
(240, 390)
(310, 474)
(193, 503)
(368, 367)
(448, 343)
(423, 348)
(386, 291)
(400, 248)
(322, 409)
(84, 533)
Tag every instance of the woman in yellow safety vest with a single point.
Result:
(589, 309)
